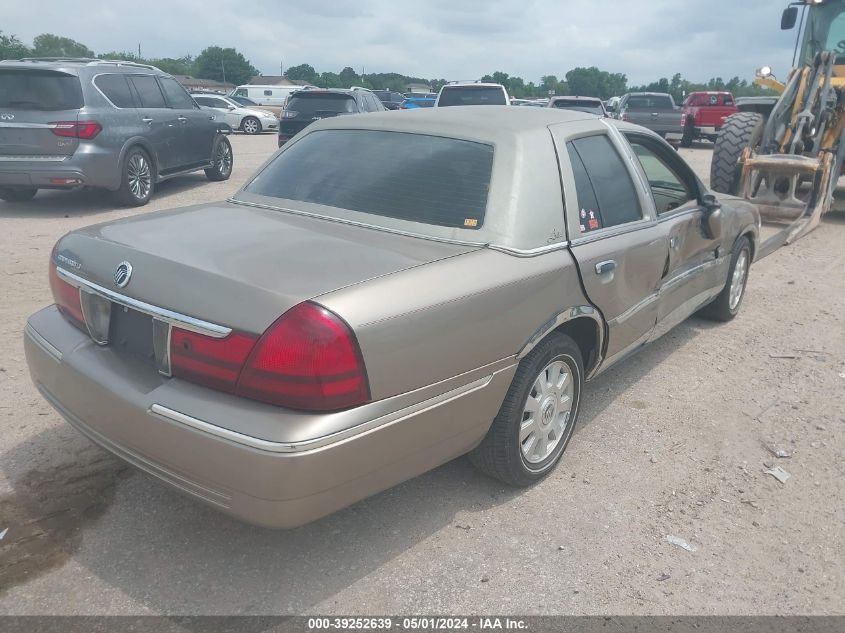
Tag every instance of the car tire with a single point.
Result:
(508, 452)
(727, 304)
(137, 179)
(740, 130)
(17, 194)
(223, 160)
(688, 137)
(251, 125)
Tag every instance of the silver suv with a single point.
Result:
(120, 126)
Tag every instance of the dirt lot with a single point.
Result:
(672, 442)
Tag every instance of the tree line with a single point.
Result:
(228, 64)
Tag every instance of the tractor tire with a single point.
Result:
(741, 130)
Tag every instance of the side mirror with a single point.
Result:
(788, 18)
(231, 107)
(712, 219)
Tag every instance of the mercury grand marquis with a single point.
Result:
(387, 293)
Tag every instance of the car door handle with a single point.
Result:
(674, 242)
(182, 119)
(605, 267)
(147, 120)
(654, 114)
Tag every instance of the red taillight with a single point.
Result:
(67, 298)
(213, 362)
(76, 129)
(308, 359)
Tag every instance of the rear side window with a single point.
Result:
(581, 105)
(471, 95)
(413, 177)
(268, 93)
(729, 100)
(327, 104)
(606, 193)
(644, 102)
(148, 91)
(176, 95)
(39, 90)
(116, 89)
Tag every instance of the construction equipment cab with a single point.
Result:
(786, 155)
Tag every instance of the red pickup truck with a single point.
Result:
(703, 114)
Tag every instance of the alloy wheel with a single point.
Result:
(223, 159)
(547, 413)
(139, 176)
(738, 279)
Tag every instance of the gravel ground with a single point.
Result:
(674, 441)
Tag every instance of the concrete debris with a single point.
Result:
(778, 473)
(677, 540)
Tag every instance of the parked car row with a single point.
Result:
(699, 117)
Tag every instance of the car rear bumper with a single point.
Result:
(86, 167)
(161, 426)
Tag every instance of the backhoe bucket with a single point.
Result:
(794, 191)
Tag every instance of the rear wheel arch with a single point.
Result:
(130, 145)
(584, 325)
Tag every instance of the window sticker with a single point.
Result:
(589, 221)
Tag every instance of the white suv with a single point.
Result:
(237, 116)
(458, 93)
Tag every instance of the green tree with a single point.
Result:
(329, 80)
(175, 66)
(303, 72)
(122, 56)
(49, 45)
(592, 82)
(223, 64)
(348, 77)
(12, 48)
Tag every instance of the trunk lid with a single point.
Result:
(31, 102)
(239, 266)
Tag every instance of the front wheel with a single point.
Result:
(17, 194)
(537, 417)
(222, 161)
(251, 125)
(726, 305)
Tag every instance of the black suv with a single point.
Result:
(389, 99)
(114, 125)
(306, 106)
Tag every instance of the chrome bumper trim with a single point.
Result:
(162, 314)
(32, 159)
(320, 442)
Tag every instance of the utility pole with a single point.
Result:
(223, 66)
(139, 50)
(281, 68)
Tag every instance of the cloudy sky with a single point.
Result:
(452, 39)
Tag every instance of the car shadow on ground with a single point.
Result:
(174, 555)
(52, 203)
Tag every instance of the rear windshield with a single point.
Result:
(472, 95)
(649, 101)
(582, 105)
(413, 177)
(39, 90)
(315, 104)
(422, 103)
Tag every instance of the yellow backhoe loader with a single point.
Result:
(786, 154)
